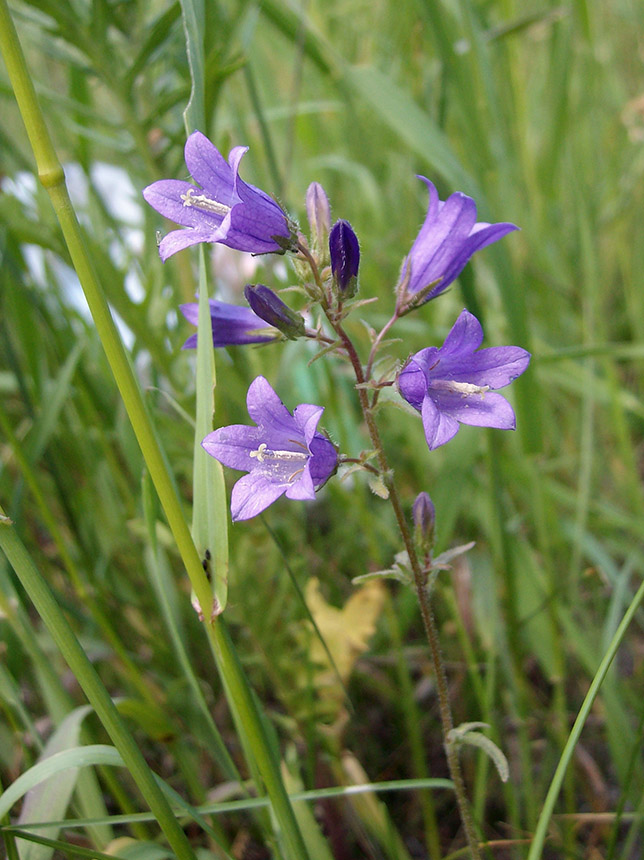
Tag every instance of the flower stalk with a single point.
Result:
(420, 577)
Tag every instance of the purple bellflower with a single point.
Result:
(283, 454)
(231, 325)
(445, 243)
(221, 208)
(454, 383)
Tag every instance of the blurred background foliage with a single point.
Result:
(538, 114)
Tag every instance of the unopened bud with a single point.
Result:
(319, 214)
(345, 258)
(269, 307)
(424, 514)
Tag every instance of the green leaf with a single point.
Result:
(210, 512)
(467, 734)
(194, 26)
(56, 764)
(48, 801)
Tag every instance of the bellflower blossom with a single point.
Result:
(231, 325)
(221, 208)
(447, 240)
(283, 454)
(454, 383)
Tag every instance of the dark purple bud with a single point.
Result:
(319, 214)
(424, 514)
(345, 258)
(269, 307)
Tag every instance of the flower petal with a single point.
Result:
(269, 413)
(412, 379)
(177, 240)
(302, 490)
(233, 445)
(191, 342)
(252, 494)
(166, 197)
(307, 417)
(324, 460)
(231, 324)
(441, 239)
(495, 367)
(439, 428)
(209, 168)
(465, 336)
(479, 410)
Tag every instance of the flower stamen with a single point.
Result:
(464, 388)
(265, 453)
(203, 202)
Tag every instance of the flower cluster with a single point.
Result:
(284, 453)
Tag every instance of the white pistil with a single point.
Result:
(264, 453)
(206, 204)
(464, 388)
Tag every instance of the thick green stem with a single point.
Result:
(239, 692)
(52, 177)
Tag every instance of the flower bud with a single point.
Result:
(424, 514)
(319, 214)
(269, 307)
(345, 258)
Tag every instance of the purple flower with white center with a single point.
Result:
(455, 382)
(283, 454)
(231, 325)
(447, 240)
(221, 208)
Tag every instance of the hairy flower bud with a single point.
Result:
(345, 258)
(269, 307)
(424, 514)
(319, 214)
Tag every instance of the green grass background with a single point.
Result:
(539, 114)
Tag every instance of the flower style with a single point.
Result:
(447, 240)
(222, 208)
(284, 453)
(453, 383)
(231, 325)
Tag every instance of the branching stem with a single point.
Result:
(420, 575)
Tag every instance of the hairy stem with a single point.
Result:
(420, 578)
